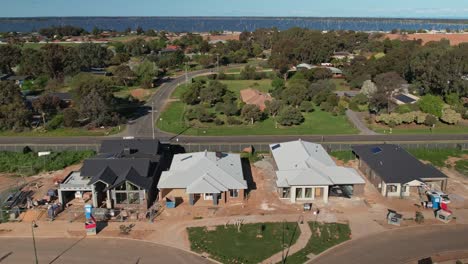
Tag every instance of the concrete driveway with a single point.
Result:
(399, 245)
(91, 250)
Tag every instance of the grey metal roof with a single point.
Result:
(141, 146)
(394, 164)
(305, 163)
(204, 172)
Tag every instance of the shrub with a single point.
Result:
(233, 121)
(431, 104)
(55, 122)
(430, 120)
(449, 116)
(307, 107)
(218, 122)
(290, 116)
(70, 117)
(419, 117)
(325, 106)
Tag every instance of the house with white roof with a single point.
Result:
(306, 172)
(204, 176)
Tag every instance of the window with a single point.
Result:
(404, 188)
(208, 196)
(286, 192)
(308, 193)
(391, 188)
(133, 198)
(234, 193)
(298, 193)
(121, 198)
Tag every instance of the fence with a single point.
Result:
(231, 147)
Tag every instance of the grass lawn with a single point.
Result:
(343, 155)
(324, 236)
(341, 84)
(462, 167)
(436, 156)
(237, 85)
(254, 243)
(316, 123)
(64, 132)
(440, 128)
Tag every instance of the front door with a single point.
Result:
(318, 192)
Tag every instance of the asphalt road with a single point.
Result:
(92, 250)
(399, 246)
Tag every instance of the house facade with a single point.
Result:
(123, 175)
(395, 172)
(305, 172)
(214, 177)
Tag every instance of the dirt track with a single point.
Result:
(454, 39)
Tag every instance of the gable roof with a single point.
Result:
(255, 97)
(305, 163)
(394, 164)
(204, 172)
(115, 171)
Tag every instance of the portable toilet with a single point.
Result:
(88, 211)
(435, 199)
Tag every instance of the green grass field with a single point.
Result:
(253, 244)
(343, 155)
(324, 236)
(440, 128)
(316, 123)
(64, 132)
(462, 167)
(436, 156)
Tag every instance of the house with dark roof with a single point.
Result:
(123, 175)
(395, 172)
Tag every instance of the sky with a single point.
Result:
(300, 8)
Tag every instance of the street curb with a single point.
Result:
(311, 261)
(121, 238)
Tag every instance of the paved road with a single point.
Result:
(92, 250)
(399, 246)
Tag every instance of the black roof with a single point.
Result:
(18, 78)
(114, 171)
(394, 164)
(134, 146)
(63, 96)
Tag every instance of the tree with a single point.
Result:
(431, 104)
(368, 88)
(325, 86)
(32, 62)
(213, 93)
(277, 83)
(307, 106)
(430, 120)
(124, 74)
(10, 56)
(295, 93)
(70, 117)
(251, 113)
(204, 60)
(191, 96)
(450, 116)
(248, 73)
(273, 107)
(386, 84)
(54, 60)
(47, 105)
(290, 116)
(93, 55)
(321, 73)
(146, 72)
(13, 112)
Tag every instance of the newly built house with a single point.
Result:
(255, 97)
(306, 172)
(395, 172)
(123, 175)
(215, 177)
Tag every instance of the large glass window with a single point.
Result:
(298, 193)
(134, 198)
(208, 196)
(234, 193)
(285, 192)
(391, 188)
(308, 193)
(121, 198)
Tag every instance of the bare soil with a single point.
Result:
(454, 39)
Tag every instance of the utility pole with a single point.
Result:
(33, 225)
(217, 62)
(152, 118)
(186, 73)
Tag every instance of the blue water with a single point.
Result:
(201, 24)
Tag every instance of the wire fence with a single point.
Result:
(232, 147)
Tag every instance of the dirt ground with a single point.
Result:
(454, 39)
(140, 93)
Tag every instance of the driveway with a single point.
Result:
(91, 250)
(358, 123)
(399, 245)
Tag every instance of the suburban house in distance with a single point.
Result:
(395, 172)
(306, 172)
(336, 73)
(123, 175)
(215, 177)
(255, 97)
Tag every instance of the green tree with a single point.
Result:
(307, 106)
(273, 107)
(54, 60)
(146, 72)
(431, 104)
(191, 96)
(290, 116)
(124, 74)
(47, 105)
(213, 92)
(93, 55)
(13, 112)
(70, 117)
(10, 56)
(32, 62)
(251, 113)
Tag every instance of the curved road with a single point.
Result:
(92, 250)
(398, 246)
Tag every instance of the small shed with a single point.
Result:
(394, 218)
